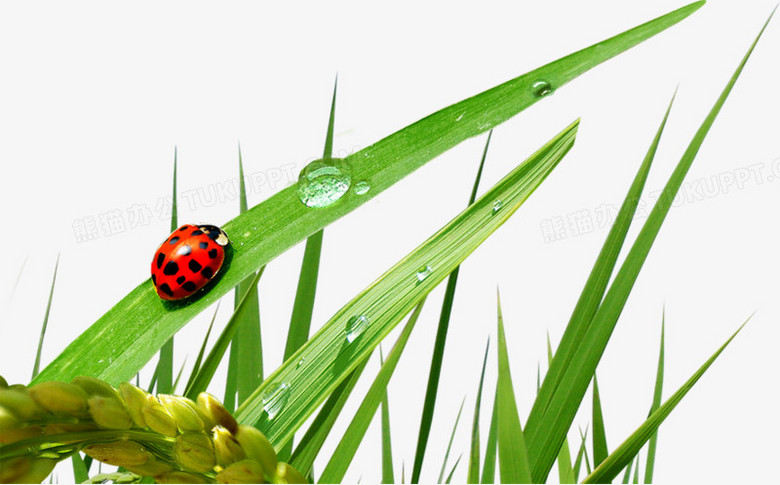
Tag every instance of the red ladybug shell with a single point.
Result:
(187, 260)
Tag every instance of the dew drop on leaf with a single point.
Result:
(497, 205)
(541, 88)
(423, 273)
(362, 187)
(356, 326)
(324, 181)
(275, 399)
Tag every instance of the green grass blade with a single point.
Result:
(178, 376)
(429, 403)
(473, 472)
(565, 470)
(489, 466)
(387, 443)
(342, 456)
(329, 356)
(37, 366)
(245, 364)
(80, 473)
(636, 470)
(202, 350)
(600, 449)
(580, 454)
(512, 453)
(594, 289)
(449, 445)
(311, 443)
(657, 392)
(209, 367)
(619, 458)
(627, 474)
(165, 364)
(454, 467)
(574, 383)
(140, 323)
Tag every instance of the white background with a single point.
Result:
(95, 97)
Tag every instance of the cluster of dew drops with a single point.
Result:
(320, 184)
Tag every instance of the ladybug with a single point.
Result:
(187, 260)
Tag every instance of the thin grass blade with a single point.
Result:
(580, 454)
(140, 323)
(429, 403)
(165, 363)
(202, 350)
(342, 456)
(358, 327)
(449, 445)
(636, 470)
(489, 467)
(178, 376)
(600, 449)
(512, 453)
(387, 443)
(565, 470)
(473, 472)
(37, 366)
(627, 474)
(619, 458)
(454, 467)
(657, 393)
(209, 367)
(573, 385)
(245, 364)
(594, 289)
(80, 473)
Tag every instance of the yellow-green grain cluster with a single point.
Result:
(170, 438)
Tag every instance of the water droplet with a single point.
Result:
(247, 234)
(356, 326)
(300, 362)
(460, 117)
(423, 272)
(497, 205)
(324, 181)
(541, 88)
(275, 398)
(362, 187)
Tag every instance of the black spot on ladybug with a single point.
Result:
(196, 233)
(184, 250)
(174, 240)
(180, 279)
(213, 253)
(194, 266)
(207, 272)
(184, 227)
(166, 289)
(189, 286)
(203, 245)
(154, 280)
(171, 268)
(160, 259)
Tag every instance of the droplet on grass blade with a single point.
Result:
(356, 326)
(324, 181)
(362, 187)
(275, 399)
(541, 88)
(423, 273)
(497, 205)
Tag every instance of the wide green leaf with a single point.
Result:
(551, 429)
(140, 323)
(357, 328)
(623, 454)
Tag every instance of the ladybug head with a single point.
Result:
(216, 234)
